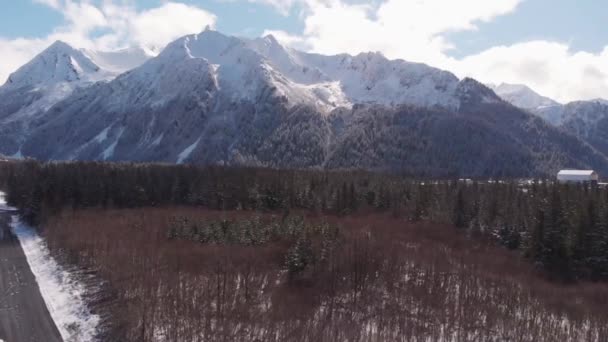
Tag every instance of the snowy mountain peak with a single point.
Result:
(211, 45)
(371, 55)
(58, 63)
(523, 96)
(240, 69)
(325, 82)
(247, 66)
(50, 77)
(59, 46)
(271, 40)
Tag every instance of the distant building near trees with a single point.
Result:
(577, 176)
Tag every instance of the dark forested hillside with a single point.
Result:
(485, 137)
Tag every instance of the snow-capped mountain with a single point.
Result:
(522, 96)
(215, 99)
(587, 120)
(366, 78)
(30, 91)
(241, 67)
(50, 77)
(58, 63)
(220, 83)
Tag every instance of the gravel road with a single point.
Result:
(23, 313)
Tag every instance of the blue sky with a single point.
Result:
(27, 18)
(559, 47)
(581, 23)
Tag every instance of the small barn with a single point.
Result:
(577, 176)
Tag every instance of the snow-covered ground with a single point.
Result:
(3, 206)
(62, 293)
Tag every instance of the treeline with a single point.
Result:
(563, 229)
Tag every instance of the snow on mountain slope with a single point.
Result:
(50, 77)
(30, 91)
(522, 96)
(213, 81)
(58, 63)
(159, 81)
(553, 114)
(588, 120)
(60, 69)
(213, 99)
(585, 112)
(244, 67)
(366, 78)
(237, 69)
(580, 118)
(243, 72)
(137, 111)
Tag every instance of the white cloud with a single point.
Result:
(161, 25)
(283, 6)
(415, 30)
(548, 67)
(15, 52)
(50, 3)
(287, 39)
(122, 25)
(405, 29)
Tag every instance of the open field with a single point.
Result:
(189, 274)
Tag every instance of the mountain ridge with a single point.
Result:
(587, 120)
(35, 87)
(522, 96)
(209, 98)
(58, 63)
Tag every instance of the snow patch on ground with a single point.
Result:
(3, 206)
(62, 294)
